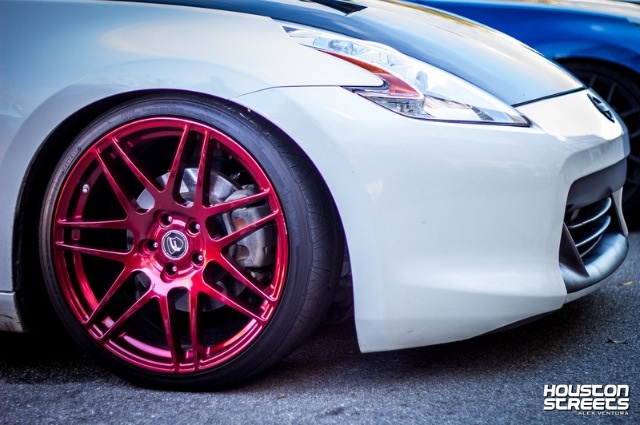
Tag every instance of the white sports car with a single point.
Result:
(192, 181)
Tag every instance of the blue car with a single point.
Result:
(599, 41)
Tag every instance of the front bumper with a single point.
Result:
(453, 230)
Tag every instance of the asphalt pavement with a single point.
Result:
(495, 379)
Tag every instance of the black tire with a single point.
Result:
(81, 194)
(621, 90)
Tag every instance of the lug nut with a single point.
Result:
(152, 245)
(197, 258)
(171, 269)
(166, 219)
(194, 227)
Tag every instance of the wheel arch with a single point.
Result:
(27, 275)
(28, 281)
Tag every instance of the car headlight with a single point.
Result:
(411, 87)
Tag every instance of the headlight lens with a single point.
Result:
(412, 88)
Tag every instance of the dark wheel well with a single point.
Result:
(613, 66)
(34, 305)
(27, 275)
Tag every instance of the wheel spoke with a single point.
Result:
(140, 302)
(194, 327)
(100, 224)
(123, 198)
(230, 301)
(629, 113)
(96, 252)
(237, 203)
(172, 186)
(135, 168)
(244, 278)
(239, 234)
(612, 92)
(201, 193)
(115, 286)
(167, 312)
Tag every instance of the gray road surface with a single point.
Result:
(492, 379)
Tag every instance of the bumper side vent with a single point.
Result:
(587, 225)
(594, 235)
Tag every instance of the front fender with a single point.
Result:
(83, 52)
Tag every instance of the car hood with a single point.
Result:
(486, 58)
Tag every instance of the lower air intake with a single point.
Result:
(594, 235)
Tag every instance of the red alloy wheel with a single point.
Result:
(169, 245)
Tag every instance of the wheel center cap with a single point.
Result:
(175, 244)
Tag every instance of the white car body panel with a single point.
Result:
(155, 54)
(436, 255)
